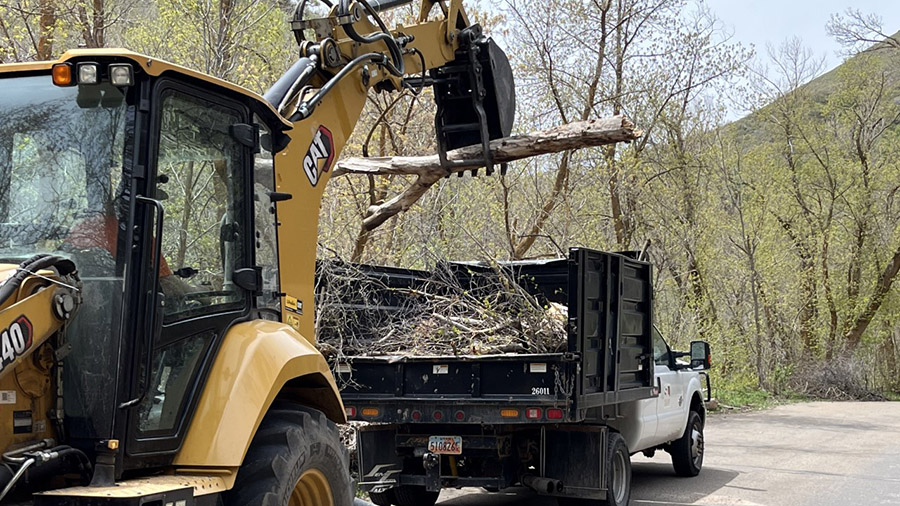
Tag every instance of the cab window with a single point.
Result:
(661, 353)
(201, 187)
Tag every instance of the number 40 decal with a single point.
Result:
(15, 340)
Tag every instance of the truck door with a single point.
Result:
(670, 402)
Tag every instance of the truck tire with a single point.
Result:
(295, 459)
(618, 462)
(687, 451)
(409, 495)
(386, 498)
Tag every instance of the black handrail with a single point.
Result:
(154, 306)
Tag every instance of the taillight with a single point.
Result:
(554, 414)
(533, 413)
(437, 415)
(416, 415)
(370, 412)
(460, 416)
(350, 411)
(509, 413)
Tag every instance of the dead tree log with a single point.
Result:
(582, 134)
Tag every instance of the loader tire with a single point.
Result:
(409, 495)
(687, 451)
(295, 459)
(618, 463)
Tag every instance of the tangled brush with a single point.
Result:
(454, 310)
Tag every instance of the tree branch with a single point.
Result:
(582, 134)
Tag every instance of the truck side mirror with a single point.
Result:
(700, 354)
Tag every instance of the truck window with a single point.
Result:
(661, 352)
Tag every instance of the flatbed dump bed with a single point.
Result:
(608, 359)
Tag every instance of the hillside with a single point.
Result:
(882, 60)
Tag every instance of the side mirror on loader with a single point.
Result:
(700, 354)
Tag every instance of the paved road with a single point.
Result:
(816, 454)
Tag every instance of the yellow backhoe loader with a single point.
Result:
(157, 253)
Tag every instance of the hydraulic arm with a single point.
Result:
(34, 303)
(343, 56)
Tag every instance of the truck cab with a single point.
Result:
(659, 422)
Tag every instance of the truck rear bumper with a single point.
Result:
(570, 456)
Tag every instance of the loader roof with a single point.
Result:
(154, 67)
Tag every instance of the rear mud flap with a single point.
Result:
(379, 464)
(575, 455)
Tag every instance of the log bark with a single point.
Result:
(582, 134)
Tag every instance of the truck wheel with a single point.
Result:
(687, 451)
(618, 462)
(296, 459)
(409, 495)
(386, 498)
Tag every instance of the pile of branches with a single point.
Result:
(838, 379)
(450, 311)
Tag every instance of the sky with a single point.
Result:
(758, 22)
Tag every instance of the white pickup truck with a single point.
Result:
(564, 424)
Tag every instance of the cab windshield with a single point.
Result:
(60, 165)
(62, 192)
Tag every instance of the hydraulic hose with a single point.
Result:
(41, 458)
(307, 107)
(398, 68)
(86, 465)
(37, 263)
(13, 455)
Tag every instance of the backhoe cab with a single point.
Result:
(157, 252)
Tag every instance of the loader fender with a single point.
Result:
(257, 363)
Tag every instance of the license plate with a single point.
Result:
(446, 445)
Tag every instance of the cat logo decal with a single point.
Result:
(319, 156)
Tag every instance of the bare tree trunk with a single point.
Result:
(562, 175)
(615, 201)
(807, 314)
(831, 340)
(376, 196)
(99, 23)
(47, 23)
(882, 287)
(92, 27)
(186, 216)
